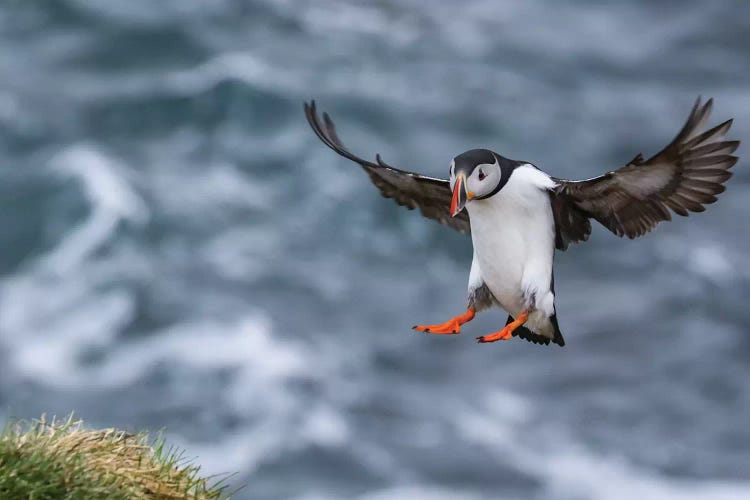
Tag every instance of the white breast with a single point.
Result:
(513, 236)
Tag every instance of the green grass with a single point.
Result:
(42, 460)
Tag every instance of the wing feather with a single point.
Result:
(683, 177)
(431, 195)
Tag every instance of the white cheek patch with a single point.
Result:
(492, 175)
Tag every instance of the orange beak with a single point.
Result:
(460, 196)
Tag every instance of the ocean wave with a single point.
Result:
(194, 259)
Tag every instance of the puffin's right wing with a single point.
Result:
(409, 189)
(682, 177)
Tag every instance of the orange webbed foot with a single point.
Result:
(452, 326)
(504, 334)
(507, 332)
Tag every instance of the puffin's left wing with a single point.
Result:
(409, 189)
(683, 177)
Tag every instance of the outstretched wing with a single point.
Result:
(432, 196)
(683, 177)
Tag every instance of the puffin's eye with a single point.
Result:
(481, 175)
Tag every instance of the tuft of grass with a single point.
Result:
(55, 460)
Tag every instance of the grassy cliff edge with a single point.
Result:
(43, 460)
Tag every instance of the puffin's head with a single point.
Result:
(475, 175)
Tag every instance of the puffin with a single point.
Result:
(518, 215)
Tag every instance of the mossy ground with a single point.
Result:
(42, 460)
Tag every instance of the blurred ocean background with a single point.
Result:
(178, 251)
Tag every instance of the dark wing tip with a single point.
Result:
(383, 164)
(686, 175)
(406, 188)
(704, 160)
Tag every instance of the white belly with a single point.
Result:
(513, 237)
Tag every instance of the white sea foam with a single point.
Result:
(276, 420)
(568, 470)
(579, 473)
(111, 201)
(103, 179)
(704, 257)
(211, 187)
(271, 437)
(46, 346)
(241, 66)
(54, 308)
(420, 492)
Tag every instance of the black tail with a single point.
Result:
(527, 334)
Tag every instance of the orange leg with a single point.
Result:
(453, 325)
(506, 332)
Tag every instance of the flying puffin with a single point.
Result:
(518, 215)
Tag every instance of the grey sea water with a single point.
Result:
(179, 252)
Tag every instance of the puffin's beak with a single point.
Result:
(460, 196)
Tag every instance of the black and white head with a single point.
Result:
(477, 174)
